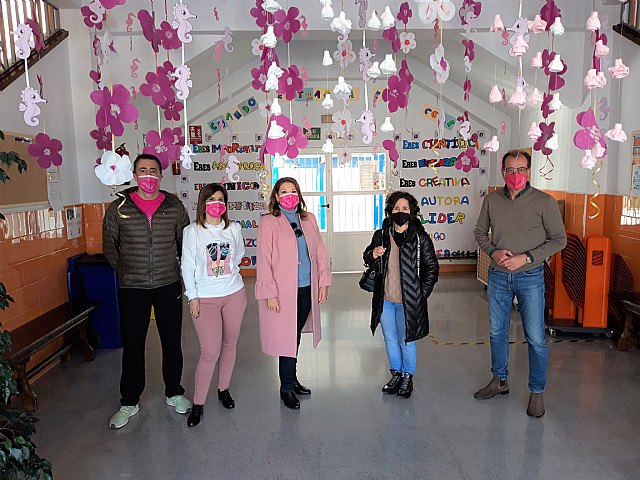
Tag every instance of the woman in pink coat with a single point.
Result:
(293, 279)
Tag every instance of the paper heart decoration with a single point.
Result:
(390, 146)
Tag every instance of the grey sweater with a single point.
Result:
(530, 224)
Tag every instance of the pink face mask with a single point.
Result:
(516, 181)
(148, 183)
(289, 200)
(216, 209)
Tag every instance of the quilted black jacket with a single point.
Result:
(415, 291)
(144, 257)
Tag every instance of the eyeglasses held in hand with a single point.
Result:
(296, 229)
(511, 170)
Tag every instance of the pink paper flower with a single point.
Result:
(590, 134)
(541, 142)
(165, 70)
(287, 24)
(147, 22)
(260, 14)
(390, 146)
(115, 108)
(90, 18)
(405, 73)
(162, 146)
(396, 93)
(469, 10)
(109, 4)
(545, 108)
(345, 55)
(168, 36)
(467, 160)
(342, 122)
(172, 109)
(95, 75)
(391, 35)
(46, 150)
(158, 87)
(102, 137)
(405, 13)
(549, 12)
(178, 137)
(37, 33)
(290, 83)
(296, 141)
(259, 78)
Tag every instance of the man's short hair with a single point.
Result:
(146, 156)
(516, 154)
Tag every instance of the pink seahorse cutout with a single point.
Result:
(505, 37)
(304, 75)
(134, 67)
(129, 21)
(365, 62)
(29, 106)
(306, 124)
(183, 83)
(362, 12)
(368, 128)
(305, 25)
(603, 108)
(227, 39)
(217, 54)
(181, 23)
(375, 148)
(503, 128)
(134, 93)
(216, 14)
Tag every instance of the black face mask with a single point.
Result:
(400, 218)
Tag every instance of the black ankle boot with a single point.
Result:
(407, 386)
(393, 385)
(195, 415)
(290, 400)
(300, 389)
(227, 400)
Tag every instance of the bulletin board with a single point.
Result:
(27, 187)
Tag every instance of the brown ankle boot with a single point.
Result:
(496, 386)
(536, 405)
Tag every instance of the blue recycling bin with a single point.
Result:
(97, 283)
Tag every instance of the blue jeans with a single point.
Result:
(402, 356)
(528, 287)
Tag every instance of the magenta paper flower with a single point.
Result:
(390, 146)
(259, 78)
(178, 137)
(102, 136)
(158, 87)
(541, 142)
(109, 4)
(165, 70)
(290, 83)
(296, 141)
(260, 14)
(469, 49)
(147, 22)
(467, 160)
(589, 135)
(172, 109)
(345, 55)
(396, 93)
(91, 19)
(549, 12)
(46, 150)
(469, 10)
(115, 108)
(287, 24)
(556, 82)
(95, 75)
(391, 35)
(169, 36)
(405, 73)
(467, 89)
(405, 13)
(545, 108)
(162, 146)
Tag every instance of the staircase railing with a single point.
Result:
(629, 26)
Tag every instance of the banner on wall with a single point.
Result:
(240, 178)
(450, 185)
(635, 163)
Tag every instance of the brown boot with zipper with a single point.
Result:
(496, 386)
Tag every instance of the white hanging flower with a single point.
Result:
(342, 122)
(114, 169)
(407, 41)
(257, 47)
(345, 55)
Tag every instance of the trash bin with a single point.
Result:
(100, 286)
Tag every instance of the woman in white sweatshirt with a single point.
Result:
(212, 249)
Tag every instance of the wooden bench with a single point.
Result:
(31, 337)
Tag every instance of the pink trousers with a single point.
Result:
(218, 329)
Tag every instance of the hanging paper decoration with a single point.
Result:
(467, 160)
(37, 34)
(158, 87)
(546, 132)
(362, 12)
(23, 41)
(114, 169)
(549, 12)
(165, 146)
(182, 82)
(407, 41)
(29, 106)
(368, 128)
(102, 137)
(344, 55)
(392, 149)
(342, 123)
(469, 12)
(107, 48)
(46, 150)
(227, 39)
(114, 108)
(439, 65)
(365, 63)
(149, 31)
(287, 24)
(290, 83)
(465, 126)
(391, 35)
(430, 10)
(396, 93)
(341, 24)
(181, 22)
(95, 14)
(405, 13)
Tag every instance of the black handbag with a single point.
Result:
(369, 277)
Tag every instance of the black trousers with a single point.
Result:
(135, 313)
(287, 366)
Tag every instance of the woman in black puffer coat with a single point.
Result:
(408, 270)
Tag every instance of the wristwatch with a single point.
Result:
(528, 258)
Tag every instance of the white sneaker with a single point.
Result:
(121, 417)
(179, 402)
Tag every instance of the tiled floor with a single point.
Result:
(348, 429)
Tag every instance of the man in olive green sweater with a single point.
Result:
(526, 228)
